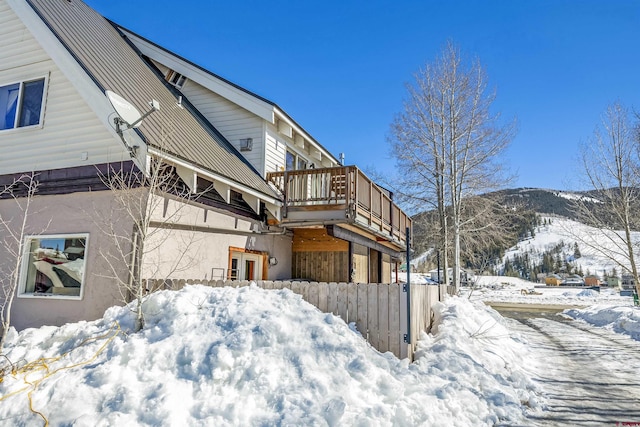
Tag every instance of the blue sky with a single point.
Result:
(339, 67)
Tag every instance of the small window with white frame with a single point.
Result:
(176, 79)
(54, 266)
(22, 104)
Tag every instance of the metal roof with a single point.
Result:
(115, 64)
(226, 81)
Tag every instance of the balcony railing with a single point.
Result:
(343, 188)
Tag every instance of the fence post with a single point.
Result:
(407, 288)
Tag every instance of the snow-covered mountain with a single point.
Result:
(582, 248)
(559, 243)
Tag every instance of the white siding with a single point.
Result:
(233, 121)
(278, 144)
(69, 127)
(275, 150)
(163, 69)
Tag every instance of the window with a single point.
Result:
(294, 161)
(21, 104)
(291, 161)
(176, 79)
(233, 270)
(54, 266)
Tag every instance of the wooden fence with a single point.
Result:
(379, 311)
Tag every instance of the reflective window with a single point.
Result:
(54, 265)
(8, 105)
(291, 161)
(31, 103)
(21, 104)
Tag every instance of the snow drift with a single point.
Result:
(247, 356)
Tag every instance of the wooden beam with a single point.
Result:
(224, 190)
(285, 129)
(341, 233)
(316, 240)
(190, 177)
(299, 140)
(252, 201)
(275, 210)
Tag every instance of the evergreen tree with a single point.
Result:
(576, 251)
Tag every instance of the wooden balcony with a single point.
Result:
(340, 195)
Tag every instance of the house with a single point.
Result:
(466, 277)
(264, 200)
(403, 267)
(613, 282)
(573, 280)
(344, 227)
(627, 282)
(553, 280)
(592, 280)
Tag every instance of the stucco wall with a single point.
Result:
(66, 214)
(170, 253)
(199, 255)
(202, 252)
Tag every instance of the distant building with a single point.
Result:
(592, 281)
(573, 280)
(613, 282)
(465, 276)
(403, 267)
(553, 280)
(627, 282)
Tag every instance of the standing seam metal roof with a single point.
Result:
(222, 79)
(114, 64)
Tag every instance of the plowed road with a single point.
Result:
(590, 376)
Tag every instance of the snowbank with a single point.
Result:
(475, 363)
(227, 356)
(623, 320)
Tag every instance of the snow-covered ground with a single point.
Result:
(247, 356)
(602, 309)
(509, 289)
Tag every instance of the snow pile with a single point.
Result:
(247, 356)
(623, 320)
(587, 293)
(499, 282)
(473, 360)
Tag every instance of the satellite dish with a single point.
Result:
(128, 117)
(127, 112)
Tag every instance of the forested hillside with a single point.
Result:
(519, 211)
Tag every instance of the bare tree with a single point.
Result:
(140, 199)
(22, 191)
(489, 226)
(446, 143)
(610, 166)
